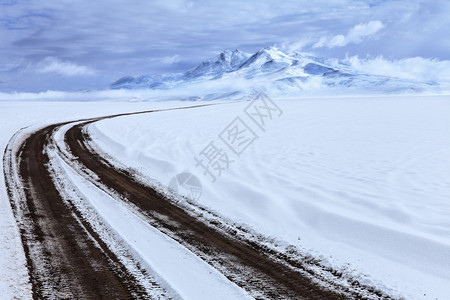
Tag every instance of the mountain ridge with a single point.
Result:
(275, 72)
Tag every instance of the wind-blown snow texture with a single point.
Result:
(235, 74)
(361, 183)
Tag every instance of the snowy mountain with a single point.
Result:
(227, 61)
(236, 74)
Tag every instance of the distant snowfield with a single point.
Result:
(14, 282)
(361, 183)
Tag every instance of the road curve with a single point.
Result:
(67, 259)
(262, 274)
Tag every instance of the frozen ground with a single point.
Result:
(13, 273)
(361, 183)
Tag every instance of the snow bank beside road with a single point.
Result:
(14, 280)
(181, 272)
(362, 183)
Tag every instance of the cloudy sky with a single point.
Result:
(83, 44)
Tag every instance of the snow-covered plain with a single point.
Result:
(361, 183)
(14, 282)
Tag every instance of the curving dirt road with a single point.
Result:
(68, 260)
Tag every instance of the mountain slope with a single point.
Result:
(235, 74)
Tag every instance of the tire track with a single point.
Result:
(66, 259)
(245, 263)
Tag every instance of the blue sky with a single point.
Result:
(72, 45)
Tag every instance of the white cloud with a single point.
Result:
(170, 59)
(354, 36)
(194, 29)
(297, 46)
(417, 68)
(166, 60)
(65, 68)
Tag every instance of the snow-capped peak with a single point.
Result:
(274, 70)
(226, 61)
(268, 55)
(234, 58)
(274, 53)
